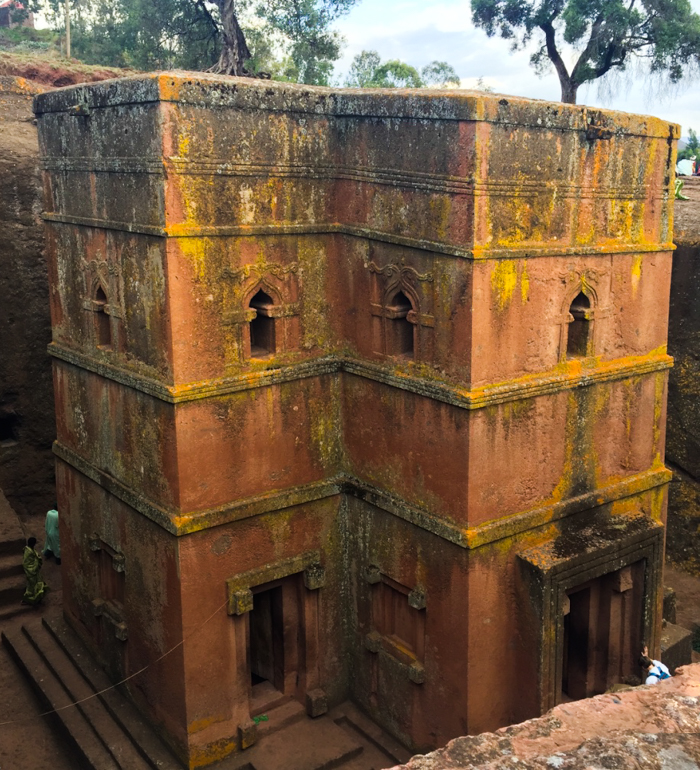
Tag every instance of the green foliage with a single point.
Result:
(142, 34)
(440, 74)
(288, 39)
(363, 69)
(368, 71)
(606, 34)
(306, 24)
(692, 148)
(26, 39)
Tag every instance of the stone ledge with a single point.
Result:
(454, 394)
(270, 96)
(652, 727)
(179, 523)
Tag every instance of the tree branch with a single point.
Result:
(588, 50)
(554, 56)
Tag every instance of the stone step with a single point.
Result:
(281, 716)
(14, 545)
(11, 535)
(117, 743)
(11, 589)
(310, 744)
(349, 716)
(88, 750)
(9, 611)
(11, 564)
(122, 710)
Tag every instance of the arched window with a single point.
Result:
(262, 327)
(103, 328)
(399, 328)
(577, 344)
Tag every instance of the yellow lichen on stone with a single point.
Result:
(636, 273)
(505, 276)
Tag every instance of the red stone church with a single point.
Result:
(361, 394)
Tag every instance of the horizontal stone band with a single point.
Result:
(180, 524)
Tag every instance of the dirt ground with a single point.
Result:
(55, 71)
(686, 214)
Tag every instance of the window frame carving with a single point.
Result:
(591, 314)
(280, 283)
(400, 278)
(104, 276)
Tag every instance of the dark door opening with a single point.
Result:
(602, 633)
(267, 639)
(576, 626)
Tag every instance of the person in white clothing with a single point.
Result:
(656, 671)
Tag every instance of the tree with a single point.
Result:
(368, 71)
(692, 146)
(606, 35)
(306, 25)
(289, 39)
(440, 74)
(234, 49)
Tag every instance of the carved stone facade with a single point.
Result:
(368, 392)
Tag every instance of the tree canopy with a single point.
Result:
(605, 34)
(368, 71)
(692, 146)
(285, 39)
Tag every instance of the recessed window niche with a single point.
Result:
(103, 328)
(262, 327)
(399, 329)
(578, 339)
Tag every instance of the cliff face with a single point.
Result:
(27, 422)
(644, 727)
(683, 437)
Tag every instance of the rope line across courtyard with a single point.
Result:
(126, 679)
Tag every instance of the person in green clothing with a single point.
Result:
(31, 561)
(52, 544)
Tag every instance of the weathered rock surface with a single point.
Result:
(27, 421)
(645, 727)
(683, 429)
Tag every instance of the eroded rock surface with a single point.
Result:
(27, 420)
(645, 727)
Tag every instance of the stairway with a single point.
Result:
(105, 731)
(11, 573)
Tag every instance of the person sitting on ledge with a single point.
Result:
(655, 669)
(31, 562)
(52, 543)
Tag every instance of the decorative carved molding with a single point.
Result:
(399, 270)
(373, 575)
(111, 613)
(96, 543)
(238, 587)
(107, 274)
(417, 598)
(260, 269)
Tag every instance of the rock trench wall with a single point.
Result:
(27, 421)
(683, 431)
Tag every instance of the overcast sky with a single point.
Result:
(420, 31)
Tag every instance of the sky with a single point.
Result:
(421, 31)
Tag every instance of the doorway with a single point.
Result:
(273, 643)
(602, 632)
(267, 639)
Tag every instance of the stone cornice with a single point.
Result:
(529, 386)
(180, 524)
(441, 105)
